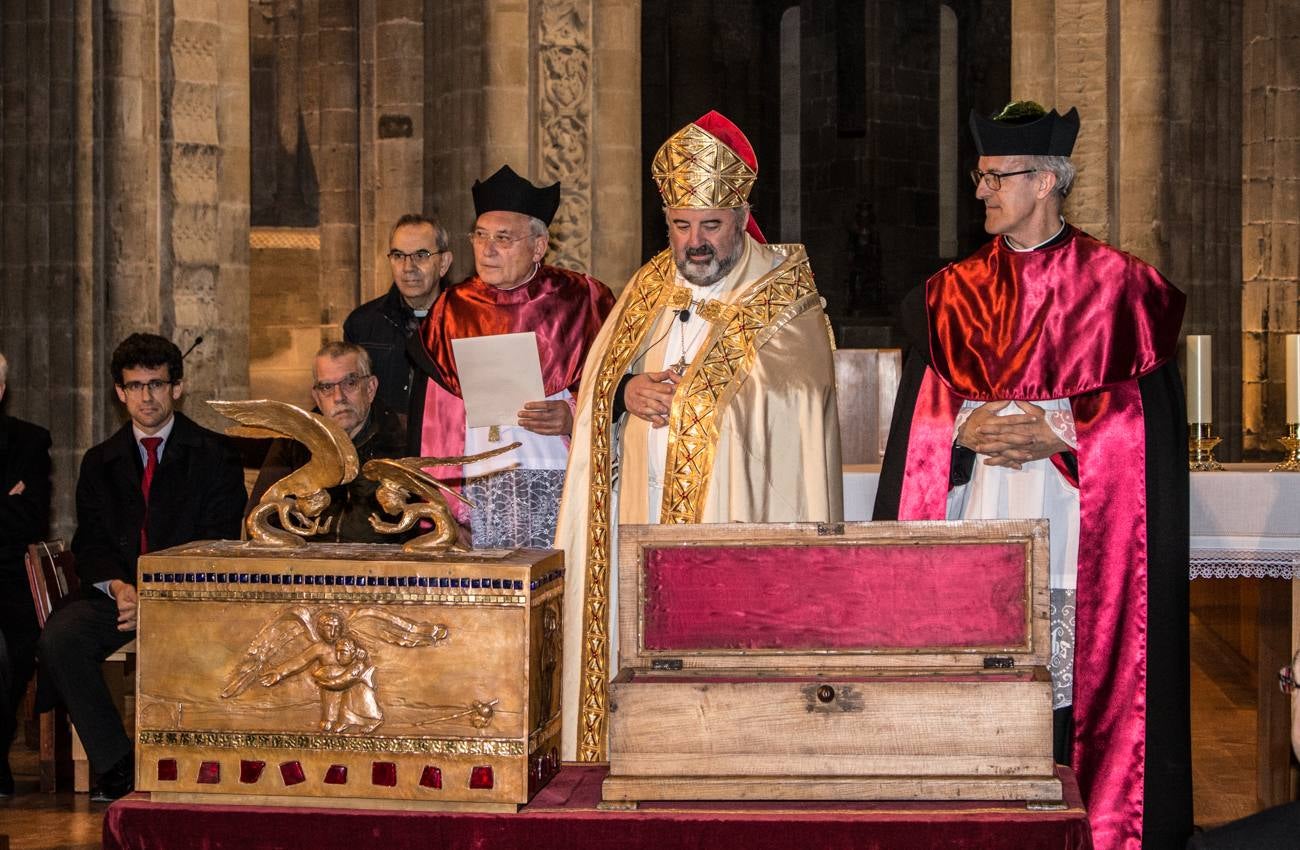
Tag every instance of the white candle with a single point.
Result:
(1292, 379)
(1200, 400)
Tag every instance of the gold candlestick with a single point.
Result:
(1200, 448)
(1292, 443)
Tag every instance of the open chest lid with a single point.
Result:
(838, 596)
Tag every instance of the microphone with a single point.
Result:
(684, 316)
(193, 345)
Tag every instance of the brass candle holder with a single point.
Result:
(1200, 448)
(1292, 443)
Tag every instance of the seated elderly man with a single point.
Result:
(346, 390)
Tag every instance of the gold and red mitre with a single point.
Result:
(708, 164)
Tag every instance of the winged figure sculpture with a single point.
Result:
(300, 497)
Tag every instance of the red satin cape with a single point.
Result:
(1083, 321)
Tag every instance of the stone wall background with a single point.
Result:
(230, 171)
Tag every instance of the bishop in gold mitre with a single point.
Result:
(711, 391)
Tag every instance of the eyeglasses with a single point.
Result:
(500, 240)
(1286, 680)
(141, 387)
(348, 382)
(421, 256)
(993, 179)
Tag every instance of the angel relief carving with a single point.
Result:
(328, 647)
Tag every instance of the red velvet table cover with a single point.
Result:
(563, 816)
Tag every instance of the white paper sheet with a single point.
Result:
(498, 374)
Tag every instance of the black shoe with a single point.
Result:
(6, 779)
(117, 781)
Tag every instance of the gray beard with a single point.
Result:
(715, 271)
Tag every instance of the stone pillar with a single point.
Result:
(392, 129)
(556, 96)
(1141, 105)
(1270, 214)
(333, 48)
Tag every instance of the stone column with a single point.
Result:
(1270, 213)
(615, 142)
(333, 48)
(392, 129)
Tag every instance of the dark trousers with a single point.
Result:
(76, 640)
(18, 633)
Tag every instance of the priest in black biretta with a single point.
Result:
(515, 496)
(507, 191)
(1041, 382)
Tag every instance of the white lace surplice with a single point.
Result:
(1035, 490)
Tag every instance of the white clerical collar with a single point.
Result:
(1051, 238)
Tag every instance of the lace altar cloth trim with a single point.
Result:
(1244, 563)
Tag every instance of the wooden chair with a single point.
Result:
(866, 382)
(52, 577)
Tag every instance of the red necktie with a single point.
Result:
(151, 445)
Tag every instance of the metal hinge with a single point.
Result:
(830, 529)
(999, 662)
(665, 664)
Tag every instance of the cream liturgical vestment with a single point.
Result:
(752, 436)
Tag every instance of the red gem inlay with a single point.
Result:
(210, 773)
(481, 776)
(291, 772)
(166, 770)
(383, 773)
(432, 777)
(250, 771)
(337, 775)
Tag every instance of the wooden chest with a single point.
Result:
(351, 675)
(844, 661)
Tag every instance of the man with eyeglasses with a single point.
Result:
(161, 480)
(515, 496)
(1041, 382)
(420, 255)
(344, 389)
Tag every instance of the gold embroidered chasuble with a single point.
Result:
(753, 436)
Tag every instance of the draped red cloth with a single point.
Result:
(564, 308)
(1083, 321)
(563, 816)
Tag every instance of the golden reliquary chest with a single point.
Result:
(349, 675)
(885, 661)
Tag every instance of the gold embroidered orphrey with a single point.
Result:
(738, 330)
(326, 645)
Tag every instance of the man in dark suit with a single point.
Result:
(24, 514)
(195, 491)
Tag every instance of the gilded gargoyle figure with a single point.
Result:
(400, 479)
(329, 646)
(302, 496)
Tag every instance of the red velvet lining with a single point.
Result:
(563, 816)
(843, 596)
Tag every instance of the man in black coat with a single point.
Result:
(418, 253)
(195, 487)
(24, 515)
(344, 390)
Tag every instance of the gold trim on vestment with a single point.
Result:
(631, 325)
(719, 368)
(722, 365)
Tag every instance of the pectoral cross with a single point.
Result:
(494, 434)
(680, 366)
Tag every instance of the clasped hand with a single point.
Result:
(650, 395)
(1012, 440)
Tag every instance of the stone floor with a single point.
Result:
(1223, 731)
